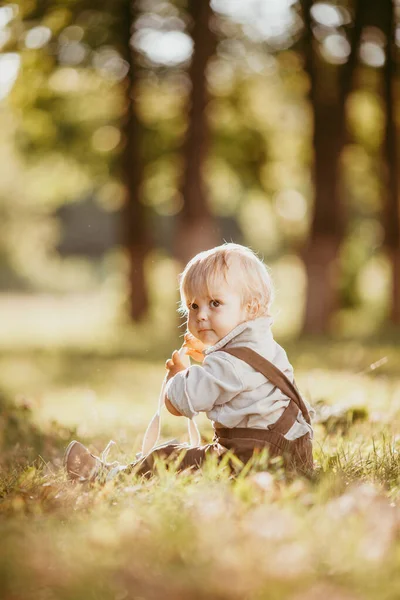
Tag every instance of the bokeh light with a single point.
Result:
(329, 15)
(164, 47)
(336, 48)
(37, 37)
(106, 138)
(9, 67)
(7, 14)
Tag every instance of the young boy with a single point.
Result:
(245, 383)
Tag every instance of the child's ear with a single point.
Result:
(253, 308)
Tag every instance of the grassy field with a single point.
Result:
(207, 534)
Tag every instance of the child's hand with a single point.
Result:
(174, 365)
(171, 408)
(194, 347)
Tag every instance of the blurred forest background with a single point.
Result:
(136, 133)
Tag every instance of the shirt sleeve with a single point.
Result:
(200, 388)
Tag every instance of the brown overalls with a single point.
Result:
(244, 442)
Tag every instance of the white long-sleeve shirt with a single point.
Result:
(231, 392)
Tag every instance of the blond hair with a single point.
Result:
(238, 266)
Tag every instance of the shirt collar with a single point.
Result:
(263, 323)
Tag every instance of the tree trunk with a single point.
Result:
(196, 228)
(391, 211)
(328, 102)
(135, 227)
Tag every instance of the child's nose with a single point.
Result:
(202, 314)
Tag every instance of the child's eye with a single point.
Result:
(215, 303)
(194, 306)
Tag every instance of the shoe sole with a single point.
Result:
(72, 475)
(68, 452)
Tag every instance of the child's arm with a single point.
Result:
(171, 408)
(200, 388)
(173, 366)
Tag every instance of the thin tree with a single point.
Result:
(329, 89)
(196, 228)
(391, 211)
(136, 236)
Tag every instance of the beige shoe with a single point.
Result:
(81, 465)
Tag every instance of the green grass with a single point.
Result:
(206, 534)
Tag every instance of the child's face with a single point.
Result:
(212, 317)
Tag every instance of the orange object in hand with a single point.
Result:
(194, 347)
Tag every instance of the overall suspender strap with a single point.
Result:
(273, 374)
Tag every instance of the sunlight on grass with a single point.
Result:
(204, 534)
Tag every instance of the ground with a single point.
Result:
(202, 535)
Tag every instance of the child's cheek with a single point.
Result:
(191, 328)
